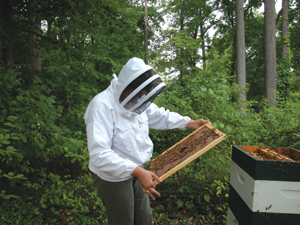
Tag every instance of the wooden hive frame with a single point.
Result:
(195, 155)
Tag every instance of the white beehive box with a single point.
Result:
(263, 191)
(264, 195)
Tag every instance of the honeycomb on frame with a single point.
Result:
(186, 150)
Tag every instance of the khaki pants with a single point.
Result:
(125, 202)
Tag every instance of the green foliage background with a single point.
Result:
(44, 173)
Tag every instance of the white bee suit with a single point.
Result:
(117, 138)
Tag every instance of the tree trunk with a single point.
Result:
(181, 55)
(5, 24)
(285, 8)
(34, 50)
(240, 49)
(203, 46)
(270, 51)
(146, 34)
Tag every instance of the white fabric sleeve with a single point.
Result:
(102, 157)
(162, 119)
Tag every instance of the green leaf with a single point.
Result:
(20, 176)
(180, 203)
(206, 197)
(191, 196)
(5, 142)
(10, 174)
(12, 118)
(10, 148)
(9, 124)
(57, 199)
(24, 139)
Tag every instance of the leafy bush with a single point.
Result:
(55, 200)
(9, 154)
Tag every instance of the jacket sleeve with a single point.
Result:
(162, 119)
(99, 128)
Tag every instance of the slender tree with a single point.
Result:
(284, 65)
(240, 48)
(188, 35)
(228, 26)
(33, 44)
(146, 33)
(285, 8)
(270, 51)
(6, 33)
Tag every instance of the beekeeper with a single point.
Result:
(117, 125)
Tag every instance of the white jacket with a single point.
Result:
(118, 140)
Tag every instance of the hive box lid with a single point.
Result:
(266, 169)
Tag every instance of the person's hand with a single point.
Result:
(146, 178)
(195, 124)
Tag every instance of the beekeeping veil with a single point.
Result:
(138, 85)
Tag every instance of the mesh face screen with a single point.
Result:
(137, 95)
(146, 104)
